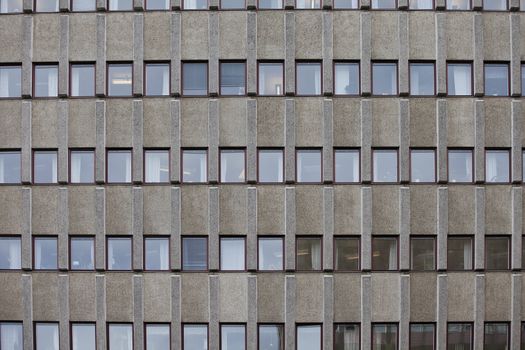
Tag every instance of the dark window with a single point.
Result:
(233, 77)
(384, 253)
(270, 253)
(194, 253)
(45, 253)
(309, 337)
(157, 4)
(47, 5)
(157, 78)
(496, 336)
(346, 4)
(232, 165)
(423, 253)
(422, 74)
(497, 165)
(119, 253)
(270, 76)
(383, 4)
(11, 335)
(308, 4)
(523, 329)
(195, 337)
(497, 253)
(46, 80)
(82, 80)
(194, 76)
(194, 165)
(233, 337)
(459, 336)
(271, 165)
(45, 167)
(460, 253)
(346, 75)
(120, 336)
(384, 336)
(232, 4)
(195, 4)
(157, 253)
(10, 81)
(496, 78)
(308, 254)
(422, 165)
(10, 167)
(460, 165)
(385, 165)
(309, 165)
(459, 78)
(422, 336)
(346, 337)
(158, 336)
(82, 253)
(271, 337)
(84, 5)
(232, 253)
(82, 166)
(83, 336)
(10, 253)
(421, 4)
(494, 5)
(458, 4)
(384, 74)
(157, 166)
(346, 253)
(11, 6)
(346, 165)
(46, 337)
(119, 78)
(308, 77)
(120, 5)
(119, 166)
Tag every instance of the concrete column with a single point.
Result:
(515, 48)
(289, 53)
(366, 311)
(213, 330)
(366, 50)
(63, 229)
(62, 138)
(176, 336)
(138, 312)
(328, 309)
(175, 163)
(251, 328)
(100, 286)
(479, 312)
(404, 140)
(479, 244)
(441, 51)
(328, 141)
(289, 313)
(138, 53)
(27, 52)
(213, 228)
(100, 67)
(515, 311)
(479, 132)
(26, 218)
(366, 141)
(289, 230)
(251, 54)
(517, 228)
(404, 228)
(404, 311)
(479, 88)
(328, 225)
(251, 140)
(63, 310)
(27, 311)
(26, 142)
(251, 237)
(441, 128)
(289, 141)
(441, 312)
(442, 228)
(100, 228)
(516, 141)
(328, 51)
(213, 141)
(366, 228)
(175, 52)
(403, 49)
(63, 57)
(138, 141)
(213, 63)
(138, 228)
(100, 149)
(175, 240)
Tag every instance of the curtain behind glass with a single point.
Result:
(120, 337)
(83, 337)
(11, 336)
(47, 336)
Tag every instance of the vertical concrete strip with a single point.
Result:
(175, 240)
(213, 141)
(404, 141)
(289, 312)
(138, 312)
(27, 311)
(289, 53)
(63, 57)
(251, 140)
(403, 50)
(517, 227)
(515, 312)
(26, 142)
(289, 140)
(366, 311)
(366, 228)
(213, 27)
(62, 138)
(441, 51)
(100, 137)
(100, 286)
(138, 53)
(175, 53)
(441, 312)
(328, 309)
(27, 54)
(366, 52)
(479, 311)
(175, 163)
(328, 52)
(213, 228)
(515, 48)
(442, 227)
(251, 237)
(138, 228)
(63, 228)
(442, 137)
(100, 228)
(328, 141)
(251, 331)
(479, 132)
(516, 141)
(214, 312)
(176, 336)
(251, 54)
(138, 141)
(479, 87)
(404, 228)
(366, 141)
(63, 310)
(100, 65)
(328, 225)
(404, 311)
(289, 230)
(479, 228)
(26, 216)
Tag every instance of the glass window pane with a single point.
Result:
(458, 4)
(384, 253)
(308, 77)
(308, 4)
(195, 76)
(308, 254)
(46, 81)
(422, 253)
(346, 76)
(10, 167)
(232, 165)
(523, 332)
(233, 337)
(119, 78)
(120, 337)
(119, 166)
(496, 336)
(11, 336)
(271, 337)
(47, 336)
(10, 81)
(270, 165)
(497, 167)
(82, 80)
(10, 253)
(232, 4)
(157, 4)
(45, 253)
(346, 337)
(384, 337)
(82, 253)
(232, 253)
(346, 165)
(194, 253)
(496, 79)
(271, 253)
(383, 4)
(422, 78)
(82, 167)
(309, 165)
(309, 337)
(156, 253)
(120, 5)
(346, 4)
(84, 5)
(158, 337)
(83, 336)
(523, 65)
(195, 337)
(11, 6)
(385, 165)
(384, 76)
(233, 75)
(346, 254)
(270, 4)
(270, 76)
(45, 167)
(157, 78)
(459, 256)
(422, 336)
(157, 166)
(119, 253)
(421, 4)
(460, 166)
(195, 4)
(47, 5)
(494, 5)
(497, 253)
(194, 166)
(459, 336)
(459, 78)
(422, 166)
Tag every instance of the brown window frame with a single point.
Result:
(88, 63)
(118, 63)
(206, 237)
(146, 324)
(384, 324)
(298, 150)
(35, 339)
(282, 238)
(72, 150)
(237, 324)
(372, 251)
(472, 248)
(12, 65)
(108, 338)
(240, 61)
(91, 237)
(73, 323)
(13, 150)
(13, 236)
(146, 150)
(506, 323)
(207, 324)
(432, 62)
(306, 324)
(144, 239)
(145, 76)
(33, 250)
(107, 163)
(281, 62)
(509, 251)
(492, 63)
(182, 150)
(259, 149)
(243, 149)
(457, 62)
(434, 240)
(433, 149)
(276, 324)
(44, 64)
(108, 237)
(347, 237)
(421, 323)
(471, 324)
(244, 238)
(359, 175)
(310, 237)
(471, 149)
(37, 150)
(509, 174)
(183, 62)
(356, 62)
(394, 62)
(374, 149)
(320, 63)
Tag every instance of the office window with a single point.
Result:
(422, 75)
(82, 253)
(308, 77)
(119, 166)
(346, 4)
(233, 337)
(46, 80)
(346, 337)
(47, 5)
(84, 5)
(82, 167)
(270, 253)
(46, 337)
(271, 75)
(120, 78)
(119, 253)
(384, 253)
(195, 337)
(421, 4)
(232, 4)
(271, 165)
(158, 336)
(523, 65)
(11, 6)
(45, 167)
(308, 254)
(384, 336)
(384, 4)
(270, 4)
(233, 77)
(10, 253)
(385, 165)
(194, 165)
(423, 253)
(459, 78)
(10, 81)
(460, 253)
(157, 5)
(195, 5)
(232, 165)
(346, 253)
(120, 5)
(194, 253)
(194, 76)
(45, 253)
(496, 336)
(157, 78)
(497, 253)
(83, 336)
(120, 336)
(494, 5)
(422, 336)
(232, 253)
(523, 332)
(156, 253)
(460, 165)
(271, 337)
(346, 165)
(497, 165)
(11, 336)
(10, 167)
(309, 337)
(496, 77)
(458, 4)
(157, 166)
(422, 165)
(82, 80)
(384, 74)
(309, 165)
(459, 336)
(346, 75)
(308, 4)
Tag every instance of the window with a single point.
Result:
(496, 336)
(194, 165)
(459, 78)
(46, 336)
(458, 4)
(346, 4)
(45, 253)
(84, 5)
(157, 4)
(421, 4)
(120, 336)
(82, 166)
(45, 167)
(157, 78)
(158, 336)
(233, 76)
(308, 253)
(346, 253)
(83, 336)
(156, 253)
(497, 253)
(309, 165)
(497, 165)
(309, 337)
(346, 337)
(232, 4)
(460, 165)
(46, 80)
(422, 336)
(523, 164)
(157, 166)
(308, 77)
(522, 248)
(496, 78)
(194, 74)
(11, 336)
(423, 253)
(460, 254)
(194, 253)
(384, 253)
(271, 73)
(232, 253)
(10, 80)
(523, 332)
(385, 165)
(119, 253)
(346, 75)
(270, 254)
(422, 74)
(11, 6)
(271, 337)
(10, 253)
(459, 336)
(384, 76)
(308, 4)
(195, 4)
(232, 165)
(271, 165)
(46, 5)
(120, 77)
(120, 5)
(195, 337)
(346, 165)
(10, 167)
(384, 336)
(494, 5)
(384, 4)
(82, 253)
(233, 337)
(119, 166)
(523, 65)
(422, 165)
(82, 80)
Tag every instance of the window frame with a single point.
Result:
(385, 324)
(395, 62)
(207, 324)
(359, 175)
(13, 150)
(470, 323)
(70, 255)
(281, 62)
(108, 338)
(501, 63)
(432, 9)
(245, 267)
(146, 9)
(146, 324)
(243, 8)
(434, 150)
(319, 8)
(471, 149)
(434, 241)
(185, 9)
(347, 237)
(13, 13)
(458, 62)
(108, 10)
(276, 324)
(298, 150)
(433, 324)
(35, 11)
(12, 64)
(154, 149)
(372, 253)
(121, 63)
(505, 9)
(20, 324)
(107, 163)
(149, 62)
(71, 7)
(33, 251)
(86, 63)
(240, 61)
(395, 8)
(396, 149)
(73, 323)
(181, 170)
(146, 237)
(282, 238)
(506, 323)
(336, 62)
(70, 151)
(42, 64)
(432, 62)
(36, 150)
(243, 149)
(206, 237)
(299, 62)
(306, 324)
(309, 237)
(509, 174)
(13, 236)
(35, 340)
(509, 251)
(238, 324)
(108, 237)
(183, 62)
(259, 149)
(472, 248)
(335, 324)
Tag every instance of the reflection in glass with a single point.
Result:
(346, 165)
(10, 162)
(383, 4)
(82, 80)
(385, 165)
(270, 76)
(459, 256)
(308, 253)
(422, 253)
(82, 167)
(232, 253)
(11, 336)
(346, 253)
(232, 165)
(422, 78)
(119, 166)
(194, 168)
(271, 337)
(458, 4)
(119, 78)
(233, 75)
(157, 166)
(496, 78)
(497, 253)
(308, 165)
(270, 165)
(10, 81)
(157, 4)
(158, 336)
(195, 4)
(384, 337)
(422, 165)
(157, 78)
(47, 336)
(82, 253)
(494, 5)
(194, 75)
(384, 76)
(194, 253)
(270, 253)
(119, 253)
(496, 336)
(195, 336)
(85, 5)
(346, 337)
(83, 336)
(11, 6)
(120, 337)
(308, 78)
(460, 165)
(120, 5)
(422, 336)
(45, 167)
(459, 79)
(233, 337)
(46, 81)
(497, 167)
(459, 336)
(421, 4)
(47, 5)
(384, 253)
(156, 253)
(45, 253)
(10, 253)
(309, 337)
(346, 75)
